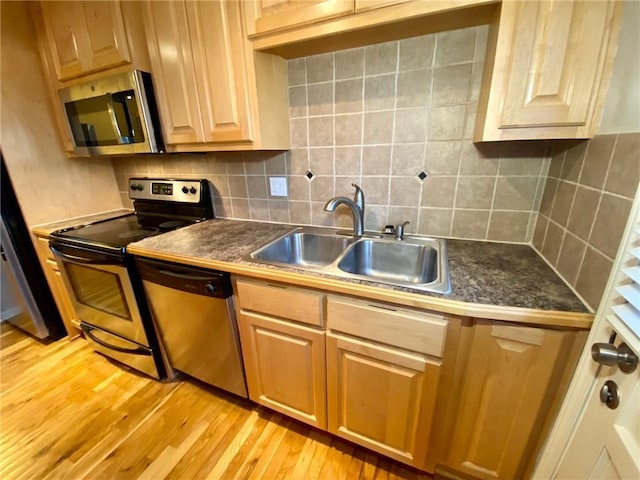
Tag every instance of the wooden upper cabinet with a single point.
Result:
(275, 15)
(363, 5)
(547, 70)
(213, 91)
(512, 376)
(84, 37)
(218, 43)
(174, 78)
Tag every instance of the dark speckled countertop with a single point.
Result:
(496, 274)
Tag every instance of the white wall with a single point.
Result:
(49, 186)
(622, 108)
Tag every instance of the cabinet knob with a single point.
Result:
(608, 354)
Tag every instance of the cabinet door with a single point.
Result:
(84, 36)
(218, 42)
(381, 398)
(285, 366)
(275, 15)
(551, 68)
(511, 375)
(174, 78)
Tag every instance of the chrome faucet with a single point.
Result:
(399, 230)
(356, 206)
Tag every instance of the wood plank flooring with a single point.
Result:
(66, 412)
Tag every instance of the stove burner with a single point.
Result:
(172, 224)
(142, 232)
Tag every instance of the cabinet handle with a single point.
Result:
(382, 307)
(608, 354)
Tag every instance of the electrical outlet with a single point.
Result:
(278, 186)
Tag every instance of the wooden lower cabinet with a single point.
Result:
(285, 366)
(58, 289)
(512, 377)
(381, 397)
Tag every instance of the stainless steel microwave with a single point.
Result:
(113, 115)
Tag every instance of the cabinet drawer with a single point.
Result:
(419, 332)
(293, 303)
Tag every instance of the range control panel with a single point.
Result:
(187, 191)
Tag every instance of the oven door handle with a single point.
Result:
(75, 259)
(135, 351)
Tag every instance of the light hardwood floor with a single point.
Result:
(66, 412)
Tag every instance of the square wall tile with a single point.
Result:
(552, 243)
(376, 159)
(451, 84)
(417, 52)
(455, 46)
(610, 223)
(573, 160)
(438, 191)
(407, 158)
(378, 127)
(593, 277)
(624, 172)
(515, 193)
(348, 160)
(321, 131)
(411, 125)
(322, 189)
(349, 63)
(320, 68)
(348, 129)
(508, 226)
(320, 98)
(376, 190)
(435, 221)
(300, 213)
(298, 101)
(583, 212)
(470, 224)
(540, 231)
(563, 202)
(570, 258)
(380, 58)
(414, 88)
(443, 158)
(321, 160)
(405, 191)
(481, 159)
(348, 95)
(596, 161)
(380, 92)
(297, 70)
(447, 123)
(475, 192)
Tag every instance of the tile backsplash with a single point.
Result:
(586, 202)
(382, 116)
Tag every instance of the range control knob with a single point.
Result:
(136, 186)
(193, 190)
(210, 288)
(185, 190)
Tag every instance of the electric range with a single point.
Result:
(101, 276)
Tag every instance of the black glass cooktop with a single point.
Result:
(119, 232)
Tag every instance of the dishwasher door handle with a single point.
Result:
(187, 276)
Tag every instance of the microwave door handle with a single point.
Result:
(114, 119)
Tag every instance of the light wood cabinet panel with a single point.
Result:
(400, 327)
(380, 397)
(214, 91)
(217, 39)
(548, 70)
(84, 37)
(285, 301)
(285, 366)
(275, 15)
(57, 286)
(174, 78)
(363, 5)
(512, 375)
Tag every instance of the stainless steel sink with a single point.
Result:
(304, 248)
(394, 261)
(416, 262)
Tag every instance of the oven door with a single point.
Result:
(101, 290)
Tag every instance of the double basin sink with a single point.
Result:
(416, 262)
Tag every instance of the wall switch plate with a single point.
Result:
(278, 186)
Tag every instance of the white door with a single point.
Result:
(606, 442)
(593, 438)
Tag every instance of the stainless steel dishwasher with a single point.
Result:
(192, 308)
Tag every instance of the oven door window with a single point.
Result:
(111, 119)
(98, 289)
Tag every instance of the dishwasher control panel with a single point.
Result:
(210, 283)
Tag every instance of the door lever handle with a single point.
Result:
(608, 354)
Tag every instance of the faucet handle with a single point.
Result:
(399, 230)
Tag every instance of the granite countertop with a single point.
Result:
(45, 229)
(496, 274)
